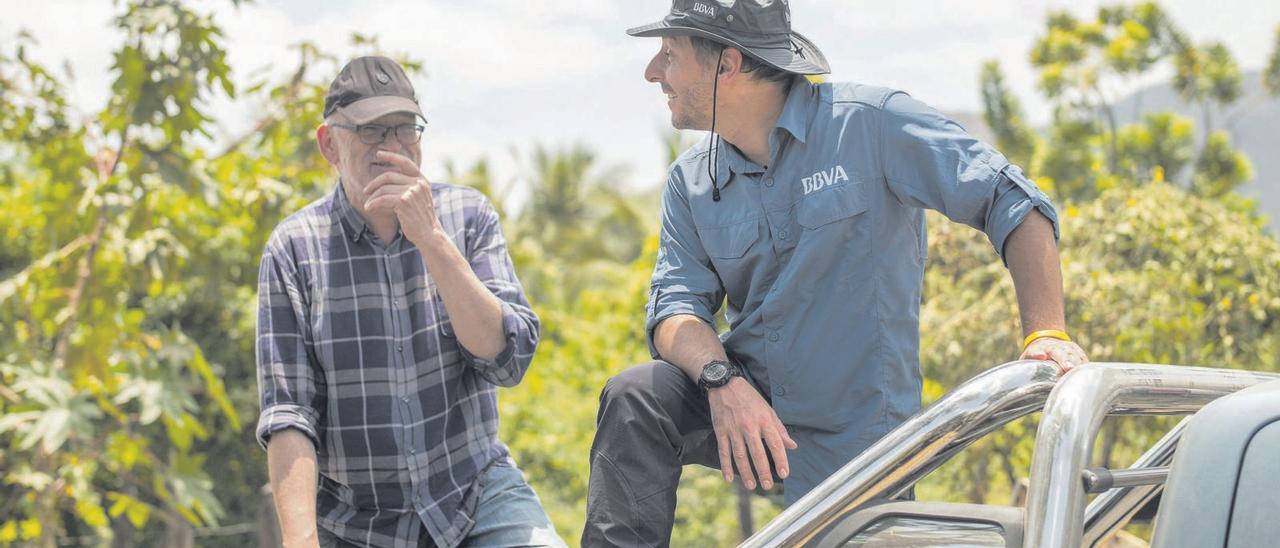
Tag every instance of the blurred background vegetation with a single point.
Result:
(129, 247)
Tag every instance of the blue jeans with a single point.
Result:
(508, 514)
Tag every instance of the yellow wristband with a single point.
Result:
(1050, 333)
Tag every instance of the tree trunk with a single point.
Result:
(178, 532)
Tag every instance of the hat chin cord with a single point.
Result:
(712, 166)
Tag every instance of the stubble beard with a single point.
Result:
(695, 111)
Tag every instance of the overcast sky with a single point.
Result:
(504, 74)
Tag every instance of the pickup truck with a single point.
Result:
(1218, 469)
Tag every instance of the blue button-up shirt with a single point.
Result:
(821, 256)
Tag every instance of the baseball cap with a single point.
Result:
(370, 87)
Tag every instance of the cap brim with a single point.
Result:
(371, 108)
(808, 60)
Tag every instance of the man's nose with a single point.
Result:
(653, 72)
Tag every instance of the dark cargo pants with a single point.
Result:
(652, 421)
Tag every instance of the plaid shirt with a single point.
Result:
(355, 350)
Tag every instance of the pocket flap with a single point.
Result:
(832, 204)
(730, 241)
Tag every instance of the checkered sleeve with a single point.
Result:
(288, 387)
(487, 253)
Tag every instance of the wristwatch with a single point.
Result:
(717, 373)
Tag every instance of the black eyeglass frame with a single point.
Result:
(383, 131)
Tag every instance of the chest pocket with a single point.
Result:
(730, 241)
(832, 204)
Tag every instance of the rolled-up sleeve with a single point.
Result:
(930, 161)
(684, 281)
(489, 259)
(288, 387)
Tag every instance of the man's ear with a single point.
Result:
(328, 147)
(730, 62)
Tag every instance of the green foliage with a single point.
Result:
(576, 225)
(127, 295)
(1220, 168)
(1162, 144)
(1003, 113)
(1151, 274)
(1087, 152)
(1271, 75)
(1072, 158)
(128, 275)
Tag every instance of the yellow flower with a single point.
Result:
(9, 532)
(30, 529)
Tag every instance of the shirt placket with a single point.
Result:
(403, 369)
(782, 236)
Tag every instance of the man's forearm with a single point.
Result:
(697, 343)
(474, 310)
(291, 465)
(1032, 255)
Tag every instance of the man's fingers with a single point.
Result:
(778, 450)
(760, 460)
(389, 178)
(726, 462)
(740, 459)
(402, 162)
(388, 202)
(1066, 355)
(387, 190)
(1065, 358)
(786, 436)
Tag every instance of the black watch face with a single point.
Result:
(715, 373)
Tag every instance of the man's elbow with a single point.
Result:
(289, 441)
(1034, 232)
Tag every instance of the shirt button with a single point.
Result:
(774, 336)
(404, 399)
(399, 347)
(413, 450)
(779, 391)
(768, 182)
(782, 234)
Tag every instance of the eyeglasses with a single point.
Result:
(374, 134)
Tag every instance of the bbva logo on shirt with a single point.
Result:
(699, 7)
(823, 179)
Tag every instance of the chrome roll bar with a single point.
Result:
(915, 448)
(1111, 510)
(1074, 410)
(1072, 416)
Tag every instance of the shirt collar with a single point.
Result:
(351, 220)
(730, 159)
(797, 110)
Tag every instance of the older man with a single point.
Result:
(804, 211)
(388, 314)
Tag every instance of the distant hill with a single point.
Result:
(1253, 122)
